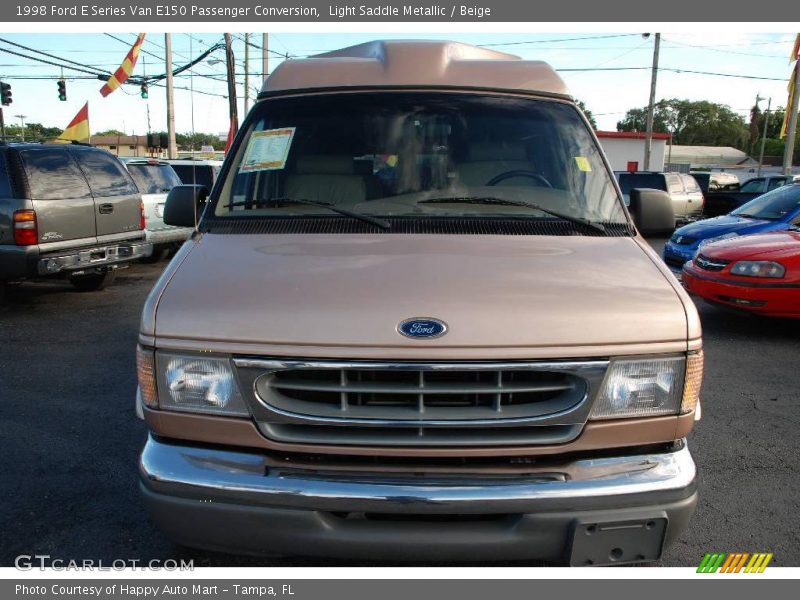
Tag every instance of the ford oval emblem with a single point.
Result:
(422, 327)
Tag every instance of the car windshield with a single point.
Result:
(153, 178)
(409, 154)
(630, 181)
(772, 206)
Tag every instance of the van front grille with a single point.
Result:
(420, 404)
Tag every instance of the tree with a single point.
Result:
(195, 141)
(588, 113)
(34, 132)
(110, 132)
(691, 123)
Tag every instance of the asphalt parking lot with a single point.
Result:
(69, 439)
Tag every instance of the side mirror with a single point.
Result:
(652, 211)
(184, 203)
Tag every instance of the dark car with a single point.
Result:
(194, 171)
(66, 210)
(724, 202)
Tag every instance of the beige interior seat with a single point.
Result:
(488, 160)
(326, 178)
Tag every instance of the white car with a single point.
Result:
(155, 178)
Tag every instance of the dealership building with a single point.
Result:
(625, 149)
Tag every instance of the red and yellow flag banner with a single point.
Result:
(78, 128)
(125, 69)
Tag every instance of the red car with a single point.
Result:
(756, 273)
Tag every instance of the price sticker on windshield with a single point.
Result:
(583, 164)
(267, 150)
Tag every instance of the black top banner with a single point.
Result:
(409, 11)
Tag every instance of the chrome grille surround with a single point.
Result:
(710, 264)
(420, 403)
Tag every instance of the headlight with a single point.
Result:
(758, 268)
(649, 387)
(198, 384)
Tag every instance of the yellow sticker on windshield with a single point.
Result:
(267, 150)
(583, 164)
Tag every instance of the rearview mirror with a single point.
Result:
(652, 211)
(185, 203)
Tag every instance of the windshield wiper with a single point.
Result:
(342, 211)
(494, 200)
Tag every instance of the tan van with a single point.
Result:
(417, 322)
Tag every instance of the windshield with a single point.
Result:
(772, 206)
(153, 178)
(631, 181)
(409, 154)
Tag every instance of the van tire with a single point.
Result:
(159, 253)
(94, 282)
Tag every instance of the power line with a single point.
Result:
(41, 60)
(717, 49)
(555, 40)
(257, 47)
(671, 69)
(65, 60)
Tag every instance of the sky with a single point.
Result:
(759, 62)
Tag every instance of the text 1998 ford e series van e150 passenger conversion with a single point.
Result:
(416, 321)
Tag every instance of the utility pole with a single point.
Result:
(648, 143)
(229, 61)
(246, 72)
(22, 125)
(2, 125)
(264, 57)
(764, 137)
(172, 146)
(788, 152)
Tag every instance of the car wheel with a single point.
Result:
(93, 282)
(159, 253)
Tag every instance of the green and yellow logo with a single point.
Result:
(737, 562)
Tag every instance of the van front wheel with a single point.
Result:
(93, 282)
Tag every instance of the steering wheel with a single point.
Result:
(520, 173)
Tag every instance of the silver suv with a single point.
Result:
(69, 211)
(155, 178)
(687, 197)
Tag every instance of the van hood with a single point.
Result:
(491, 291)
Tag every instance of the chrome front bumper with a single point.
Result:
(89, 258)
(234, 501)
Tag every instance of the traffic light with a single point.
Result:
(62, 90)
(144, 93)
(5, 93)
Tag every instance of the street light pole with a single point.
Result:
(22, 125)
(264, 57)
(172, 146)
(648, 143)
(246, 71)
(764, 138)
(230, 64)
